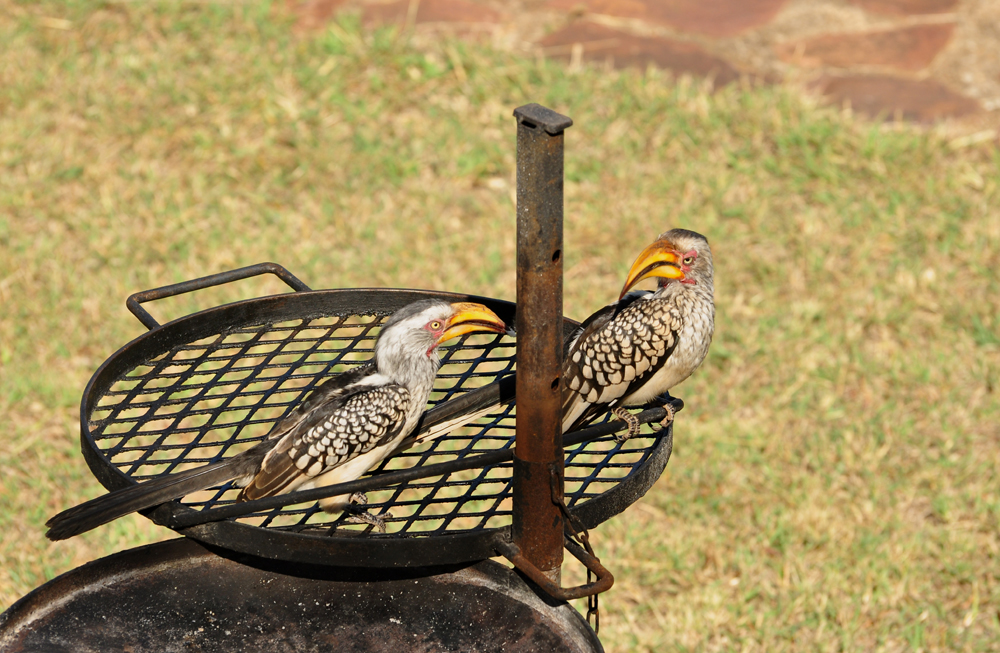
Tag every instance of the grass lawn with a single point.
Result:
(834, 480)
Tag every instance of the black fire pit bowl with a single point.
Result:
(180, 595)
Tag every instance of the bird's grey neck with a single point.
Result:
(703, 288)
(410, 371)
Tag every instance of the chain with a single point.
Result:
(581, 536)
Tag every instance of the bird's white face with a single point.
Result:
(436, 327)
(459, 319)
(405, 348)
(426, 329)
(691, 259)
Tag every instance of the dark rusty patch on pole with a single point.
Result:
(537, 526)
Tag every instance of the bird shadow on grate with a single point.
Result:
(215, 397)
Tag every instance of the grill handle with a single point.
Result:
(134, 301)
(605, 579)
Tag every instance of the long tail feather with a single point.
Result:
(111, 506)
(458, 412)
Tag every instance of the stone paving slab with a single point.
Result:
(721, 18)
(585, 41)
(907, 7)
(918, 60)
(909, 49)
(883, 96)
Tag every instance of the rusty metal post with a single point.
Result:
(537, 526)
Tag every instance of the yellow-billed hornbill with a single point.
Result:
(346, 426)
(633, 351)
(629, 353)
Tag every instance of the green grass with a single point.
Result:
(833, 485)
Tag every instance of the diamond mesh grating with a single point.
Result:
(216, 396)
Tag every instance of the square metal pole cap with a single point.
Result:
(533, 115)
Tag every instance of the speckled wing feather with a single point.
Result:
(105, 508)
(352, 423)
(619, 348)
(599, 319)
(341, 385)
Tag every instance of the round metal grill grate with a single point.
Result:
(212, 384)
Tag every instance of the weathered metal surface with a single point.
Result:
(537, 523)
(181, 596)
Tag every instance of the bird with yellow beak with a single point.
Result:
(629, 353)
(632, 352)
(346, 426)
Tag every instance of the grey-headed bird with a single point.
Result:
(632, 352)
(346, 426)
(629, 353)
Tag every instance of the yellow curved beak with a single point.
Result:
(657, 260)
(469, 317)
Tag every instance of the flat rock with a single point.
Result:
(430, 11)
(716, 18)
(886, 96)
(599, 43)
(906, 7)
(908, 48)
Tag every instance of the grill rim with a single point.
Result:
(334, 550)
(201, 324)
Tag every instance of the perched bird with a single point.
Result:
(631, 352)
(346, 426)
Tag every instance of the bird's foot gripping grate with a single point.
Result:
(175, 403)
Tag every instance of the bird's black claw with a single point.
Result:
(365, 517)
(358, 515)
(668, 403)
(667, 419)
(630, 419)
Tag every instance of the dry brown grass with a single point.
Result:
(834, 479)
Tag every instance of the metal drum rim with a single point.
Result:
(58, 599)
